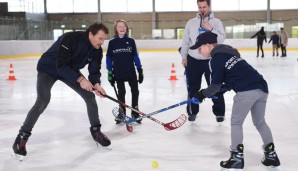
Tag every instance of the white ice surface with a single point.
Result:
(61, 139)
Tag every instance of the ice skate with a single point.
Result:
(136, 115)
(220, 119)
(270, 157)
(192, 118)
(100, 138)
(121, 115)
(235, 162)
(19, 146)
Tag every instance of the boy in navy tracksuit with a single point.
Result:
(122, 57)
(251, 89)
(63, 61)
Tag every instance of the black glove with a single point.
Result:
(141, 75)
(200, 96)
(179, 50)
(224, 88)
(111, 78)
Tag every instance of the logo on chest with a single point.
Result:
(123, 50)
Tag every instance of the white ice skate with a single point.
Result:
(17, 156)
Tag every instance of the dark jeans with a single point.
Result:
(283, 50)
(44, 85)
(134, 88)
(260, 46)
(194, 73)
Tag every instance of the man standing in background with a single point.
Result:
(283, 42)
(195, 64)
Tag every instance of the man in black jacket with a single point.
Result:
(63, 61)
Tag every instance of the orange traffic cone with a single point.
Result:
(11, 74)
(173, 73)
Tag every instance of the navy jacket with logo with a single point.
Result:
(70, 53)
(121, 57)
(227, 66)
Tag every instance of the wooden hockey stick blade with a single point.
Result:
(176, 123)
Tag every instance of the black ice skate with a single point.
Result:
(19, 146)
(220, 118)
(236, 161)
(270, 157)
(136, 115)
(192, 118)
(99, 137)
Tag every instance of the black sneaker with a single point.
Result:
(136, 115)
(220, 118)
(99, 137)
(270, 156)
(192, 118)
(236, 161)
(19, 146)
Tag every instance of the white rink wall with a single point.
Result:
(14, 48)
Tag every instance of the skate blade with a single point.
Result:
(220, 124)
(225, 169)
(17, 157)
(277, 168)
(108, 148)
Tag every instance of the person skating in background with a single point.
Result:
(63, 61)
(275, 43)
(195, 64)
(121, 59)
(283, 42)
(261, 36)
(229, 69)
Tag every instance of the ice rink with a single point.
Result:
(61, 139)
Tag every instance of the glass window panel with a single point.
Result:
(188, 5)
(32, 6)
(168, 5)
(126, 6)
(139, 6)
(60, 6)
(251, 5)
(226, 5)
(285, 4)
(113, 5)
(85, 6)
(70, 6)
(15, 5)
(236, 5)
